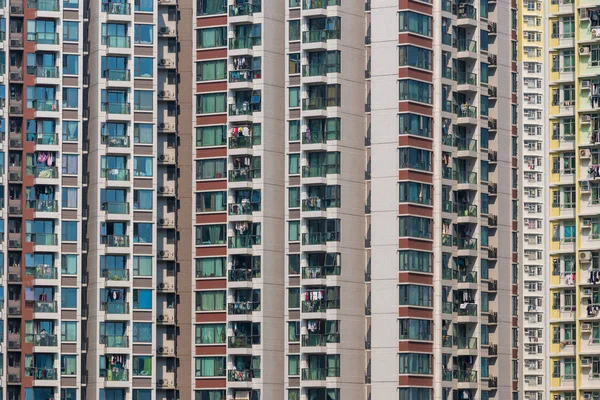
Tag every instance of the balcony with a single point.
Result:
(321, 36)
(45, 139)
(43, 206)
(465, 343)
(243, 175)
(115, 174)
(116, 108)
(44, 40)
(242, 341)
(312, 340)
(468, 376)
(46, 75)
(467, 310)
(243, 275)
(50, 105)
(115, 375)
(243, 307)
(243, 142)
(466, 210)
(44, 239)
(466, 277)
(245, 9)
(467, 15)
(467, 49)
(42, 339)
(319, 103)
(113, 8)
(244, 75)
(312, 306)
(115, 341)
(320, 137)
(465, 243)
(316, 4)
(468, 178)
(244, 108)
(243, 375)
(319, 374)
(316, 238)
(116, 75)
(244, 43)
(309, 70)
(44, 172)
(320, 272)
(116, 208)
(42, 272)
(45, 306)
(115, 308)
(114, 274)
(245, 208)
(116, 42)
(319, 171)
(41, 374)
(243, 242)
(44, 5)
(119, 241)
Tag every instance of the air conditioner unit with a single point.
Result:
(586, 361)
(164, 30)
(162, 157)
(585, 256)
(585, 50)
(585, 84)
(584, 153)
(162, 125)
(586, 326)
(164, 93)
(586, 119)
(586, 222)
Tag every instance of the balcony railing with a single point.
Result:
(466, 45)
(116, 108)
(46, 72)
(242, 142)
(466, 277)
(467, 11)
(466, 78)
(320, 272)
(43, 205)
(42, 374)
(466, 177)
(242, 375)
(320, 305)
(115, 240)
(44, 239)
(46, 138)
(319, 103)
(43, 5)
(466, 343)
(312, 4)
(320, 36)
(319, 374)
(115, 375)
(120, 75)
(116, 207)
(320, 339)
(42, 339)
(114, 274)
(466, 144)
(319, 69)
(317, 137)
(466, 210)
(467, 310)
(244, 43)
(465, 111)
(45, 105)
(320, 237)
(243, 242)
(446, 307)
(465, 376)
(467, 243)
(243, 208)
(319, 171)
(42, 272)
(243, 275)
(116, 8)
(242, 341)
(115, 341)
(115, 174)
(246, 9)
(123, 42)
(243, 109)
(114, 308)
(243, 307)
(45, 306)
(243, 75)
(43, 37)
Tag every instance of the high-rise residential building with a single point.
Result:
(534, 208)
(267, 200)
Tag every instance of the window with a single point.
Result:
(143, 67)
(210, 300)
(70, 131)
(415, 394)
(211, 7)
(70, 97)
(211, 201)
(294, 197)
(142, 366)
(294, 164)
(413, 90)
(68, 331)
(414, 158)
(208, 235)
(70, 64)
(417, 57)
(413, 260)
(142, 299)
(293, 298)
(413, 124)
(415, 363)
(69, 197)
(70, 163)
(68, 365)
(145, 6)
(415, 329)
(69, 231)
(413, 22)
(211, 37)
(143, 133)
(211, 169)
(293, 231)
(211, 267)
(68, 394)
(68, 264)
(294, 30)
(211, 70)
(142, 266)
(211, 103)
(68, 298)
(210, 366)
(142, 232)
(143, 34)
(416, 295)
(70, 31)
(210, 334)
(210, 395)
(142, 100)
(142, 332)
(294, 97)
(415, 192)
(294, 63)
(70, 4)
(293, 365)
(142, 166)
(142, 394)
(484, 105)
(211, 136)
(142, 199)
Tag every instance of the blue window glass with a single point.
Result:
(143, 100)
(142, 199)
(69, 231)
(70, 97)
(143, 34)
(71, 31)
(143, 67)
(143, 5)
(70, 131)
(484, 40)
(70, 4)
(142, 166)
(68, 298)
(142, 299)
(142, 233)
(142, 332)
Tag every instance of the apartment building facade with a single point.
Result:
(203, 198)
